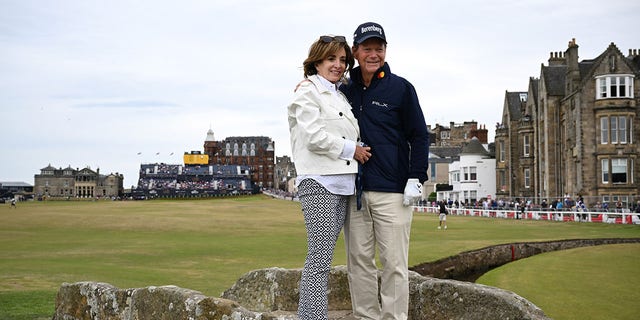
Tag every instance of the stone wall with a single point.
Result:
(270, 294)
(470, 265)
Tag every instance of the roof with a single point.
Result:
(49, 167)
(515, 104)
(474, 147)
(7, 184)
(554, 79)
(445, 152)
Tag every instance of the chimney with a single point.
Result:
(573, 72)
(556, 58)
(482, 134)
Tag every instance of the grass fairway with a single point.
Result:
(584, 283)
(206, 245)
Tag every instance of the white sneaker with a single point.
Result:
(439, 227)
(445, 227)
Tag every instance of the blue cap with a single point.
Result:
(368, 30)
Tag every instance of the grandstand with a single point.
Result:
(160, 180)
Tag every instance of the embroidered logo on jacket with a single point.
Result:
(379, 104)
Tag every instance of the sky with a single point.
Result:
(113, 84)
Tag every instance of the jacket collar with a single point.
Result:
(381, 73)
(319, 82)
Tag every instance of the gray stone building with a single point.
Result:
(285, 172)
(76, 183)
(457, 134)
(574, 132)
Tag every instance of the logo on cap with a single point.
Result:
(371, 28)
(368, 30)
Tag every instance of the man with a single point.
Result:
(392, 124)
(442, 218)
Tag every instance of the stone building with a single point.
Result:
(575, 131)
(256, 152)
(77, 183)
(457, 134)
(512, 134)
(285, 172)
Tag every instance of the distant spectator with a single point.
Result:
(619, 206)
(443, 215)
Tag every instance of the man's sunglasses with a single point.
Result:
(329, 39)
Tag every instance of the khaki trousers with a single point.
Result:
(383, 223)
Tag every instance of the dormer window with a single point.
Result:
(614, 86)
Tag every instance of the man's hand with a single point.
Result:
(412, 192)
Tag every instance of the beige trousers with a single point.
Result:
(382, 223)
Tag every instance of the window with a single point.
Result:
(622, 129)
(455, 176)
(503, 181)
(613, 129)
(473, 176)
(503, 153)
(465, 174)
(614, 86)
(433, 170)
(523, 97)
(605, 170)
(604, 130)
(619, 170)
(526, 145)
(444, 134)
(527, 178)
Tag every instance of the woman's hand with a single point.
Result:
(362, 154)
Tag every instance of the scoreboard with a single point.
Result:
(196, 157)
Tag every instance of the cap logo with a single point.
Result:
(371, 29)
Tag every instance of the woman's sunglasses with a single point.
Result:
(329, 39)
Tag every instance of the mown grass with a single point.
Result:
(206, 245)
(585, 283)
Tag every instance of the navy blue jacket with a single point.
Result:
(392, 124)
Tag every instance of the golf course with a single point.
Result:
(206, 245)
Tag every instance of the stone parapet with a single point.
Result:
(272, 294)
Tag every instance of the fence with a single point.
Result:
(625, 217)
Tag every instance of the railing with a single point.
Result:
(578, 216)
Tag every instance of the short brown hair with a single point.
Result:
(320, 50)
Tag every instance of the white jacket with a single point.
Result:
(319, 123)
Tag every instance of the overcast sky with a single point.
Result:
(112, 84)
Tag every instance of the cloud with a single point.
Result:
(99, 81)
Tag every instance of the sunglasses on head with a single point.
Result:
(328, 39)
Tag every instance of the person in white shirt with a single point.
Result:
(325, 148)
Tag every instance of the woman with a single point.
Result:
(324, 143)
